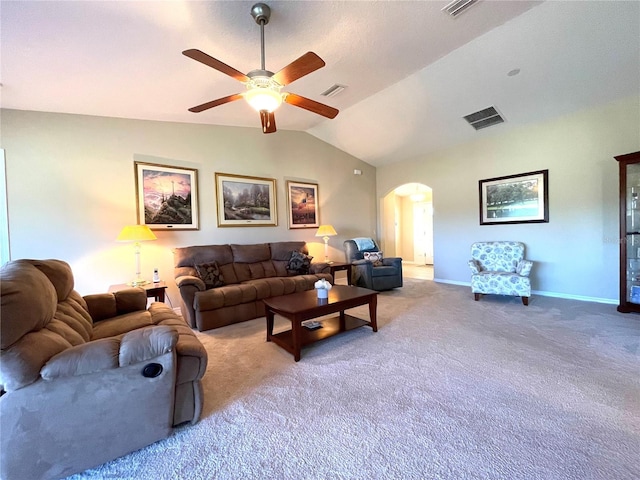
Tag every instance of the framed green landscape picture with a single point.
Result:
(245, 201)
(522, 198)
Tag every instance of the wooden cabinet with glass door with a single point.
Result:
(629, 166)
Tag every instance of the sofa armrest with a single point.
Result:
(189, 285)
(319, 267)
(475, 267)
(187, 280)
(108, 353)
(524, 267)
(109, 305)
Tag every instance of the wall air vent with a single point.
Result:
(333, 90)
(456, 7)
(484, 118)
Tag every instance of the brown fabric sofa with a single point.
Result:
(87, 379)
(251, 273)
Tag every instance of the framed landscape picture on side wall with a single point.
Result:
(522, 198)
(167, 197)
(244, 201)
(303, 205)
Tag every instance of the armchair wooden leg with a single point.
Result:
(476, 296)
(525, 300)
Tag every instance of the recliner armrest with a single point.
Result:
(108, 353)
(392, 261)
(361, 262)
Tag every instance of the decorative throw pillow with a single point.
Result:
(374, 257)
(299, 263)
(210, 274)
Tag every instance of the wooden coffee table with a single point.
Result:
(298, 307)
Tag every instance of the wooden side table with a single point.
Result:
(338, 266)
(154, 290)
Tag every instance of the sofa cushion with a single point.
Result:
(210, 274)
(299, 263)
(187, 257)
(121, 324)
(255, 253)
(282, 250)
(226, 296)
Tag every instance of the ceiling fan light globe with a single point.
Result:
(263, 99)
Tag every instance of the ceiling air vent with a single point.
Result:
(333, 90)
(456, 7)
(484, 118)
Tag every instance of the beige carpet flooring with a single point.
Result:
(448, 388)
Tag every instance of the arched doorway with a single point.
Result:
(407, 228)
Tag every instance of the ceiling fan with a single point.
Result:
(263, 87)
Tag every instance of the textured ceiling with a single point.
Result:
(411, 70)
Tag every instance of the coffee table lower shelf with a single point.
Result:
(330, 327)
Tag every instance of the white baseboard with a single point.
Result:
(582, 298)
(542, 293)
(452, 282)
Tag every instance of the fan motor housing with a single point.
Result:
(261, 13)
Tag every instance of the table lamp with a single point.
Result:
(136, 234)
(326, 231)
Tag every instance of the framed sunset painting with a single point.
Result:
(166, 197)
(303, 205)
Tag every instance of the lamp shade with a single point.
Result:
(326, 231)
(136, 233)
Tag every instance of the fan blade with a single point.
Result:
(311, 105)
(307, 63)
(202, 57)
(215, 103)
(268, 121)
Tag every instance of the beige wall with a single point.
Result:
(71, 189)
(576, 253)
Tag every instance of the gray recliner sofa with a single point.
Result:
(366, 273)
(87, 379)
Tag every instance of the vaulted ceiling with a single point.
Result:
(411, 70)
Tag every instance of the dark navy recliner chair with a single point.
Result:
(369, 270)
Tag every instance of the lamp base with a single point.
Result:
(139, 282)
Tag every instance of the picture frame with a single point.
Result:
(521, 198)
(166, 196)
(245, 201)
(302, 205)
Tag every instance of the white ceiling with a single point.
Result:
(412, 71)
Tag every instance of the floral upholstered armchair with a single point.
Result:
(500, 268)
